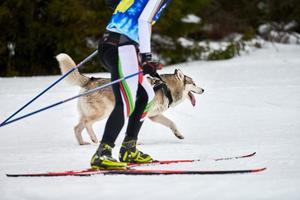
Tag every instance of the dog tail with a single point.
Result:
(66, 63)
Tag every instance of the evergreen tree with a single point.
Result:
(34, 31)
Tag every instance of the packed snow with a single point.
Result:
(251, 103)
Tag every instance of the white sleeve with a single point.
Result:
(145, 25)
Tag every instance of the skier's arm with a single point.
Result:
(145, 25)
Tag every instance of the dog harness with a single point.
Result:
(161, 85)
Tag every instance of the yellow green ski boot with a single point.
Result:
(102, 159)
(130, 154)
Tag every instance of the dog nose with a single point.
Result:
(202, 90)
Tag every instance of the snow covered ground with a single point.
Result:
(251, 103)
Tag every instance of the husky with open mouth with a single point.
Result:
(174, 89)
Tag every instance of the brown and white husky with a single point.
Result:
(98, 105)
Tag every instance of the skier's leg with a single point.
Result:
(109, 56)
(145, 95)
(128, 151)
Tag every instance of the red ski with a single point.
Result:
(140, 172)
(166, 162)
(85, 172)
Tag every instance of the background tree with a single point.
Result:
(34, 31)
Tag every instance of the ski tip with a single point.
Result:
(249, 155)
(259, 170)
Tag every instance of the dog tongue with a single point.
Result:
(192, 98)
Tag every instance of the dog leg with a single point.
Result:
(78, 130)
(91, 132)
(161, 119)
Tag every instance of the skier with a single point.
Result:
(124, 49)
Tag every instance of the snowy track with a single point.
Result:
(251, 103)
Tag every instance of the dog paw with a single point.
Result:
(84, 143)
(179, 136)
(95, 141)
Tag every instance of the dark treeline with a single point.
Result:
(34, 31)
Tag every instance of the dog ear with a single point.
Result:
(179, 74)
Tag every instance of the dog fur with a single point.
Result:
(98, 105)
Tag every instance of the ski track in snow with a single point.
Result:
(251, 103)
